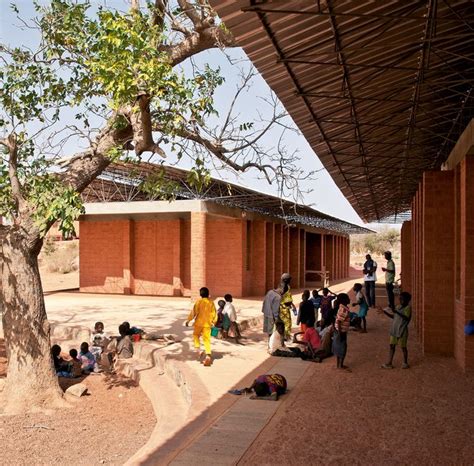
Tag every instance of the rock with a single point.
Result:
(2, 384)
(77, 390)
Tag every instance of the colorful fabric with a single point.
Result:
(285, 312)
(390, 272)
(205, 333)
(343, 319)
(311, 336)
(276, 383)
(204, 313)
(285, 317)
(87, 360)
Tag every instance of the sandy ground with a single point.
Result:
(105, 427)
(59, 281)
(422, 415)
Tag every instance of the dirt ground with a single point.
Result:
(423, 415)
(107, 426)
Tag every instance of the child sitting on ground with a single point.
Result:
(88, 363)
(268, 387)
(99, 341)
(61, 367)
(229, 311)
(361, 301)
(124, 344)
(75, 363)
(223, 322)
(276, 344)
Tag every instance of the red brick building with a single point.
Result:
(174, 248)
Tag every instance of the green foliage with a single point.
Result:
(159, 187)
(199, 177)
(54, 202)
(94, 60)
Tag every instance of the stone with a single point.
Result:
(2, 384)
(77, 390)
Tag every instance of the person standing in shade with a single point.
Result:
(370, 277)
(399, 331)
(389, 279)
(286, 304)
(271, 310)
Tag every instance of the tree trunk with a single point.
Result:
(31, 383)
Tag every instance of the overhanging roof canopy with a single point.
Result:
(381, 89)
(122, 182)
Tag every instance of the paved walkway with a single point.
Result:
(227, 439)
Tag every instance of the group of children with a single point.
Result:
(102, 351)
(327, 335)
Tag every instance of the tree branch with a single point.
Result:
(196, 42)
(11, 143)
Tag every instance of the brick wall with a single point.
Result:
(225, 257)
(269, 255)
(258, 264)
(278, 253)
(437, 262)
(294, 268)
(406, 258)
(154, 257)
(465, 306)
(101, 256)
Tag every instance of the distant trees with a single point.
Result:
(387, 239)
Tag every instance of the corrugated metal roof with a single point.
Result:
(122, 182)
(381, 89)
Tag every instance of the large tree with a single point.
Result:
(118, 76)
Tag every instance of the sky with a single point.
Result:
(324, 195)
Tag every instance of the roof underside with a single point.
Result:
(381, 89)
(123, 182)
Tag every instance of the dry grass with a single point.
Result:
(61, 257)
